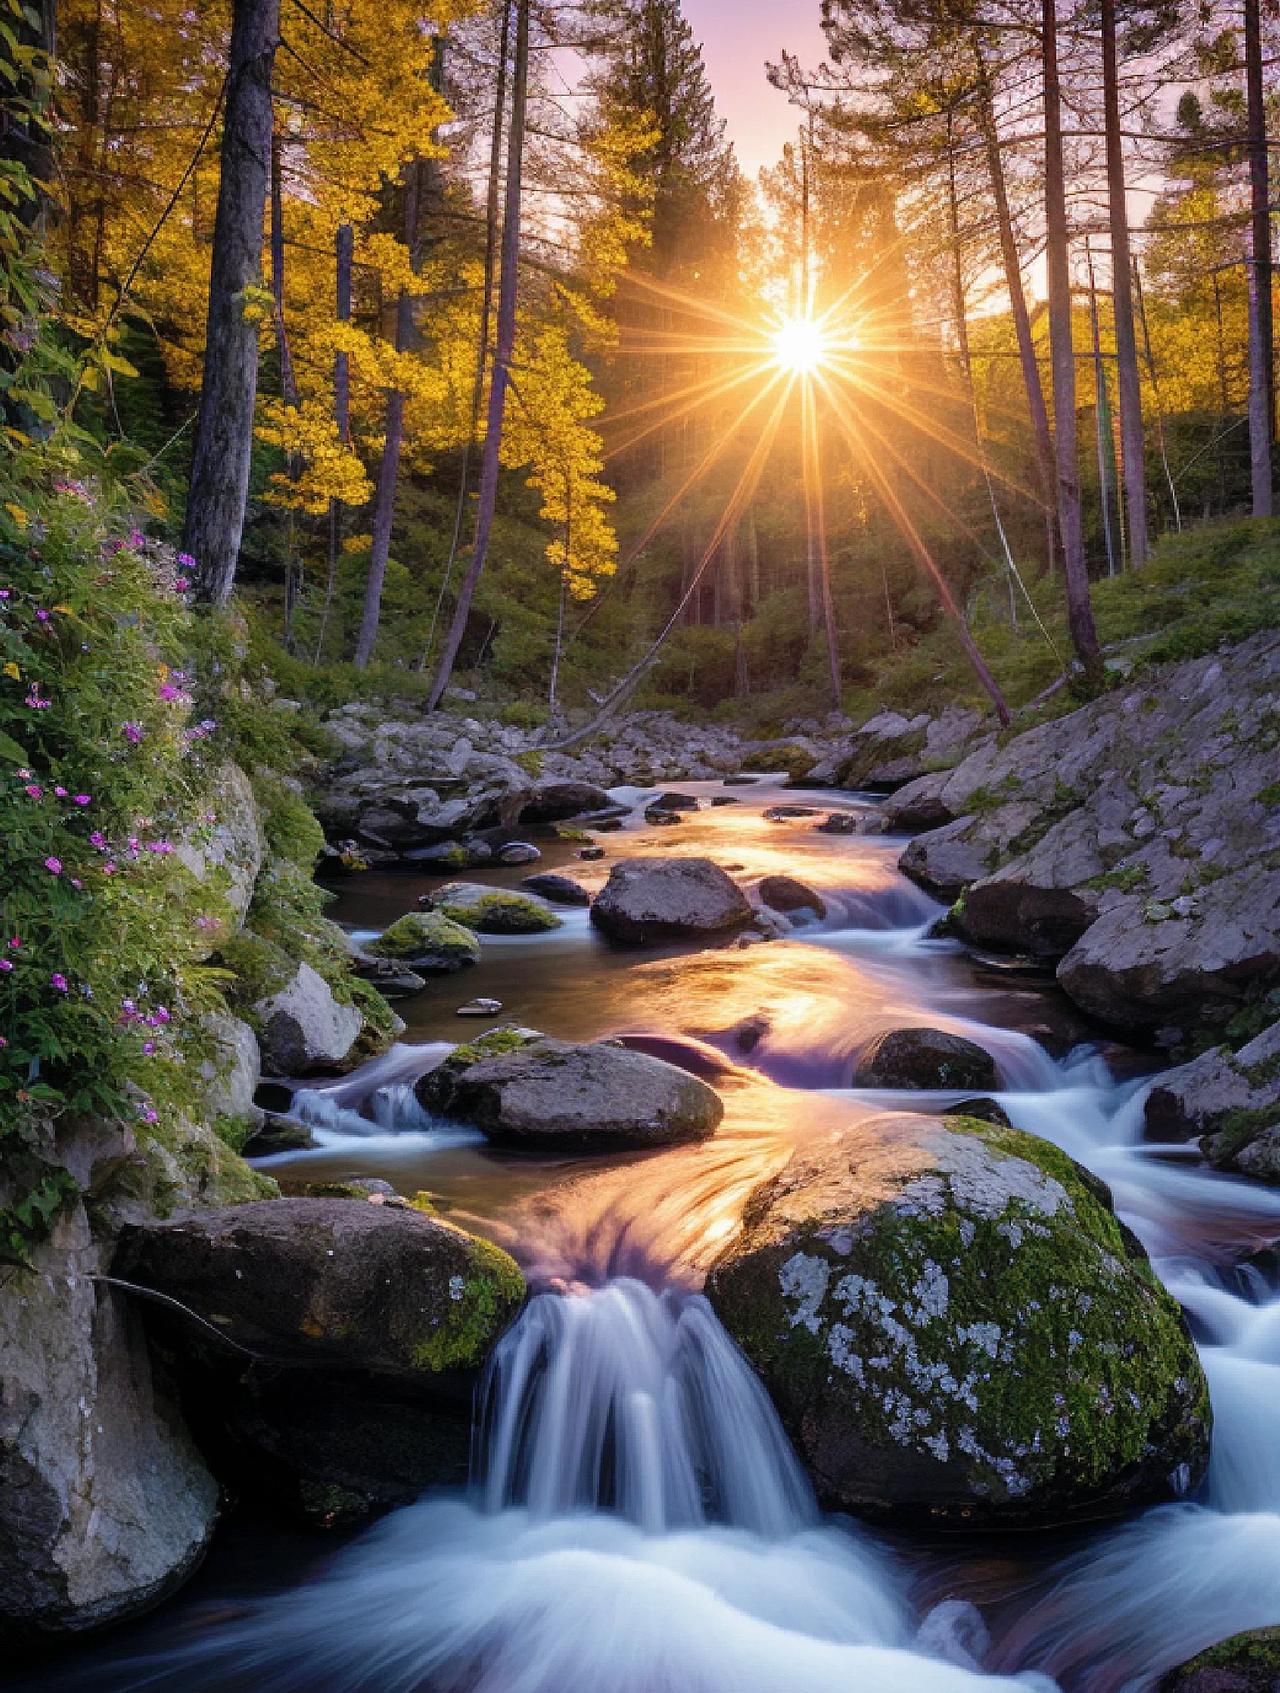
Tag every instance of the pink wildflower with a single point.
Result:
(53, 866)
(59, 981)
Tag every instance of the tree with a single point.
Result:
(508, 288)
(1084, 637)
(1261, 333)
(1132, 439)
(223, 444)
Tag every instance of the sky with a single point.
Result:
(737, 37)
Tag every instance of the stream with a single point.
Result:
(637, 1520)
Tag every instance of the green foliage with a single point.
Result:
(24, 1224)
(101, 985)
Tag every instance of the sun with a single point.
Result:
(799, 346)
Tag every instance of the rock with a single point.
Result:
(300, 1026)
(956, 1329)
(768, 925)
(925, 1058)
(232, 1071)
(784, 813)
(336, 1282)
(837, 823)
(742, 780)
(1135, 840)
(560, 890)
(105, 1503)
(532, 1092)
(428, 940)
(675, 802)
(590, 854)
(985, 1110)
(450, 855)
(661, 819)
(785, 893)
(228, 847)
(1247, 1663)
(278, 1134)
(647, 899)
(552, 801)
(480, 1008)
(494, 911)
(724, 799)
(518, 852)
(392, 980)
(1211, 1093)
(357, 1187)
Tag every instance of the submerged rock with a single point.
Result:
(494, 911)
(786, 893)
(925, 1058)
(560, 890)
(956, 1328)
(428, 940)
(525, 1090)
(648, 899)
(1247, 1663)
(333, 1281)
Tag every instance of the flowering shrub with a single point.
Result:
(101, 924)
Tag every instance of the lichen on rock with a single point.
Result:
(955, 1326)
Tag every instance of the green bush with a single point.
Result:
(101, 988)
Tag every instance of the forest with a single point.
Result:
(639, 846)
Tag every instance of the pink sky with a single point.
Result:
(737, 37)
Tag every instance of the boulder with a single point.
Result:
(560, 890)
(552, 800)
(518, 852)
(669, 801)
(333, 1282)
(105, 1503)
(278, 1134)
(661, 819)
(301, 1027)
(649, 899)
(533, 1092)
(1135, 841)
(1247, 1663)
(956, 1329)
(925, 1058)
(427, 940)
(228, 847)
(786, 893)
(1215, 1091)
(494, 911)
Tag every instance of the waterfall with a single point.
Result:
(639, 1402)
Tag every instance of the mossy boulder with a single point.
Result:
(524, 1090)
(956, 1329)
(1247, 1663)
(494, 911)
(334, 1282)
(926, 1058)
(429, 941)
(302, 1025)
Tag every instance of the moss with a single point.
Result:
(1258, 1650)
(530, 762)
(498, 912)
(1129, 878)
(293, 835)
(260, 967)
(492, 1045)
(481, 1300)
(235, 1132)
(419, 933)
(1236, 1130)
(380, 1027)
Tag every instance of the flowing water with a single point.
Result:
(638, 1522)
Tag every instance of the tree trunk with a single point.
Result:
(491, 225)
(1018, 308)
(508, 291)
(384, 499)
(1133, 449)
(344, 254)
(1261, 338)
(288, 386)
(1101, 421)
(1140, 297)
(223, 442)
(1084, 637)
